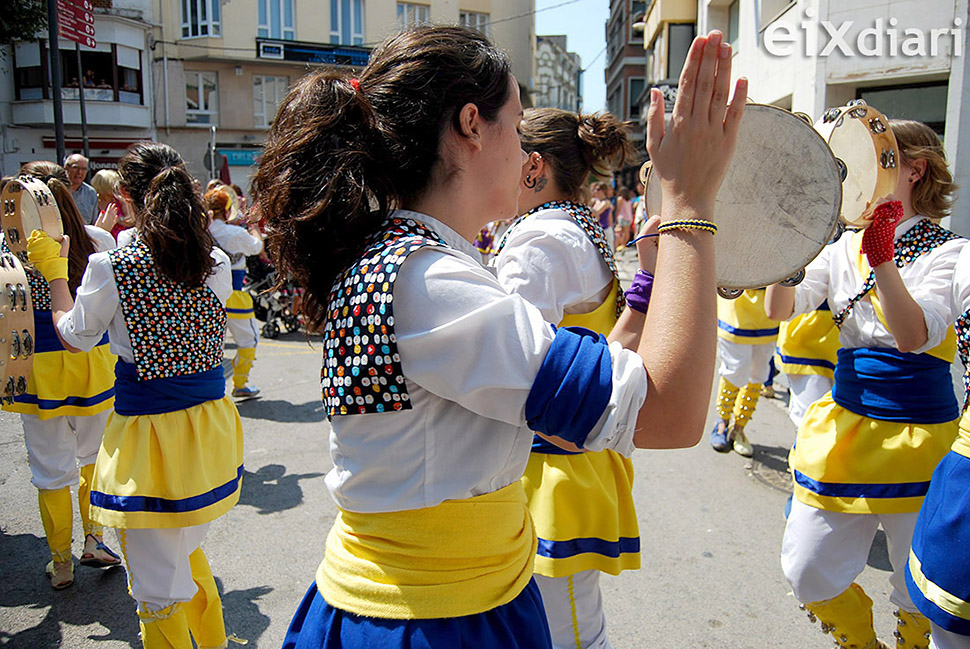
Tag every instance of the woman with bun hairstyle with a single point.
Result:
(433, 373)
(171, 458)
(68, 400)
(864, 453)
(558, 258)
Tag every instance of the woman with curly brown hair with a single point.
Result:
(170, 461)
(373, 189)
(68, 400)
(557, 257)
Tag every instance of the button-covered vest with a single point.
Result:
(174, 330)
(361, 366)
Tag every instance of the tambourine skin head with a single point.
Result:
(778, 204)
(28, 205)
(864, 144)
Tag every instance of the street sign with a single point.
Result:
(67, 8)
(76, 36)
(207, 160)
(76, 21)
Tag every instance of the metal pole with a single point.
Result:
(80, 94)
(213, 171)
(55, 54)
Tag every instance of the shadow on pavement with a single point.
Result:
(240, 608)
(879, 553)
(97, 597)
(282, 411)
(772, 457)
(271, 490)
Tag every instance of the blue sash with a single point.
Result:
(886, 384)
(45, 337)
(238, 276)
(156, 396)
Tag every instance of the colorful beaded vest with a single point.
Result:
(962, 329)
(174, 330)
(361, 366)
(40, 290)
(583, 217)
(918, 240)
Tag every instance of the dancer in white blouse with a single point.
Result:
(433, 373)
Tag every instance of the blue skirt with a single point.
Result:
(940, 544)
(520, 624)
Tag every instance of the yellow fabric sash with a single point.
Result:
(239, 306)
(945, 351)
(961, 444)
(601, 319)
(458, 558)
(807, 344)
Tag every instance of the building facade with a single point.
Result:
(626, 74)
(174, 70)
(668, 28)
(115, 78)
(558, 75)
(908, 59)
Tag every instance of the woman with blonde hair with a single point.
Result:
(68, 400)
(864, 452)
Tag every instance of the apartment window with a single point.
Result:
(681, 37)
(412, 15)
(268, 93)
(636, 87)
(96, 75)
(200, 18)
(734, 23)
(347, 22)
(201, 98)
(276, 19)
(474, 20)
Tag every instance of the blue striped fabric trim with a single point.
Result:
(748, 333)
(238, 277)
(54, 404)
(164, 505)
(589, 545)
(240, 311)
(928, 608)
(862, 490)
(798, 360)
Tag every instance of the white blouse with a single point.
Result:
(469, 352)
(550, 261)
(960, 295)
(834, 275)
(235, 240)
(97, 305)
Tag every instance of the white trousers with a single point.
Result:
(823, 552)
(743, 364)
(243, 332)
(803, 391)
(574, 608)
(157, 561)
(57, 447)
(942, 639)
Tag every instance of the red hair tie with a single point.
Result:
(356, 84)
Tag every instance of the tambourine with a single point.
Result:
(866, 152)
(778, 205)
(16, 328)
(28, 205)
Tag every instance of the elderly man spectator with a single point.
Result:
(85, 197)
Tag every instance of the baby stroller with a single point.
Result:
(275, 307)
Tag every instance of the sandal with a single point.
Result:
(61, 574)
(93, 561)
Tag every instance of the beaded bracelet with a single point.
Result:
(689, 224)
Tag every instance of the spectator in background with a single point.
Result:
(624, 217)
(603, 210)
(84, 195)
(114, 212)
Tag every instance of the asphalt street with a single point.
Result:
(711, 528)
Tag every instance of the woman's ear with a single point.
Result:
(919, 169)
(470, 124)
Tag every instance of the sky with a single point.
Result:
(584, 24)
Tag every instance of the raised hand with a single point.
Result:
(691, 157)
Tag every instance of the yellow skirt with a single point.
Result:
(239, 306)
(64, 384)
(844, 462)
(584, 513)
(174, 469)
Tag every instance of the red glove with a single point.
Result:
(877, 240)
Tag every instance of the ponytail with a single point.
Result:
(169, 215)
(82, 247)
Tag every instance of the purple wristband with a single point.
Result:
(638, 295)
